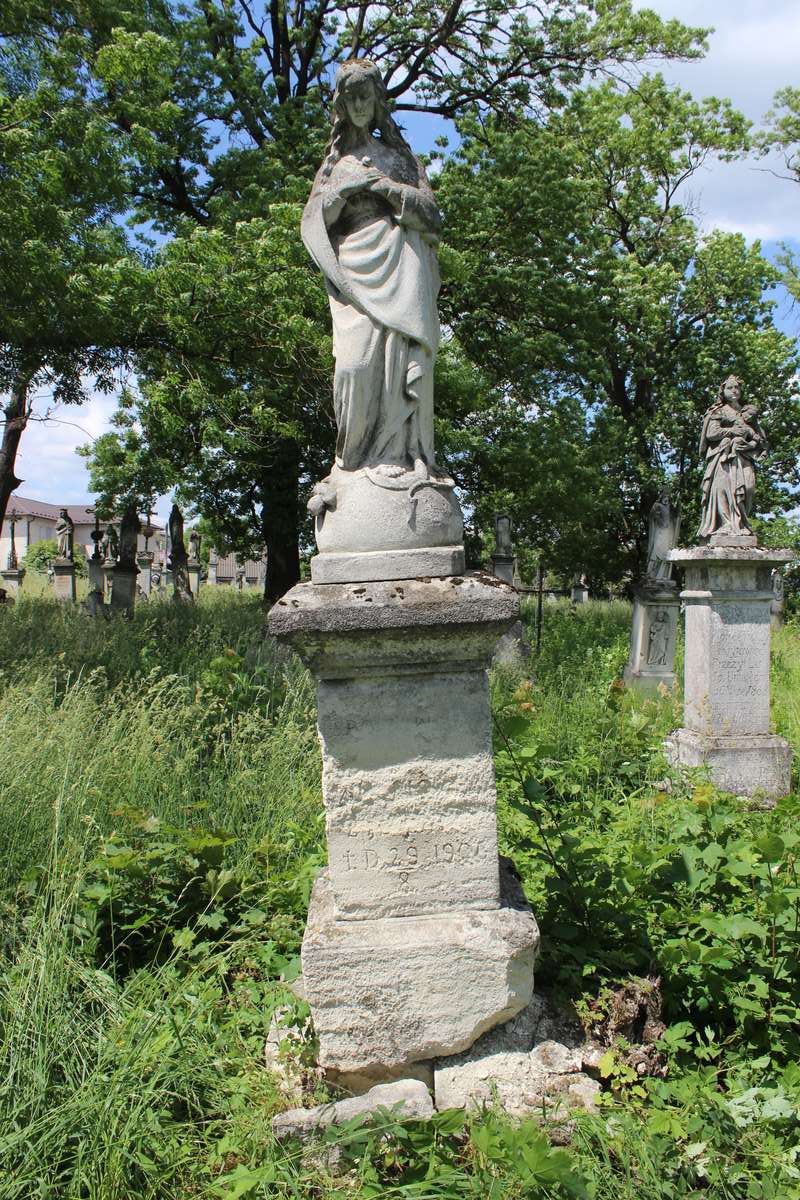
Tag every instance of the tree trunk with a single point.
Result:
(15, 417)
(281, 521)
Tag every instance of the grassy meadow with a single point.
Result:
(160, 829)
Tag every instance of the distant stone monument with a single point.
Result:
(213, 561)
(503, 557)
(13, 574)
(144, 560)
(125, 572)
(579, 592)
(778, 605)
(728, 593)
(193, 565)
(416, 941)
(64, 562)
(655, 604)
(179, 561)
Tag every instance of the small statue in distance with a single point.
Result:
(182, 592)
(662, 536)
(65, 533)
(731, 441)
(194, 546)
(129, 536)
(109, 544)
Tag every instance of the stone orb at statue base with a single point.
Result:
(371, 526)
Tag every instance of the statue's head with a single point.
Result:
(360, 95)
(361, 105)
(730, 391)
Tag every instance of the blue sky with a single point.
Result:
(752, 53)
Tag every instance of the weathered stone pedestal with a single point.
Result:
(12, 579)
(412, 948)
(64, 580)
(123, 588)
(97, 582)
(727, 594)
(194, 577)
(653, 635)
(144, 562)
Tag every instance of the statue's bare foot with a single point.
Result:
(390, 471)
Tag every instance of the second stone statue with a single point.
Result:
(418, 939)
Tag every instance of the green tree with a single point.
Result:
(63, 258)
(39, 555)
(782, 133)
(604, 319)
(217, 109)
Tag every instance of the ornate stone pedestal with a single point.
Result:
(411, 949)
(64, 580)
(653, 634)
(194, 577)
(12, 579)
(94, 567)
(144, 562)
(371, 525)
(123, 588)
(728, 592)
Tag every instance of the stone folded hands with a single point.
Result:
(410, 206)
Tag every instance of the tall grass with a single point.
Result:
(171, 763)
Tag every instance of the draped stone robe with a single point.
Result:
(379, 260)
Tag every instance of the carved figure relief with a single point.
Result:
(658, 639)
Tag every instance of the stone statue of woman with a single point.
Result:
(65, 535)
(662, 536)
(731, 441)
(372, 226)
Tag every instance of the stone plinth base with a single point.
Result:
(653, 634)
(123, 589)
(64, 580)
(12, 579)
(728, 593)
(372, 525)
(194, 578)
(144, 562)
(97, 582)
(409, 944)
(399, 990)
(746, 766)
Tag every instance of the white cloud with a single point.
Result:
(752, 53)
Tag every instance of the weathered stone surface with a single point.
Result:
(12, 579)
(409, 784)
(654, 632)
(728, 593)
(123, 588)
(64, 580)
(534, 1064)
(406, 1098)
(405, 989)
(746, 766)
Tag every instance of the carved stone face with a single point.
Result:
(359, 100)
(732, 391)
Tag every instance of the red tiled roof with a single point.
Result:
(81, 514)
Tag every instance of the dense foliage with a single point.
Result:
(160, 833)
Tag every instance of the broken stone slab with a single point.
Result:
(535, 1064)
(406, 1098)
(405, 989)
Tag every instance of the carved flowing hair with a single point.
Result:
(343, 133)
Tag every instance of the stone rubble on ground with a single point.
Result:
(406, 1098)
